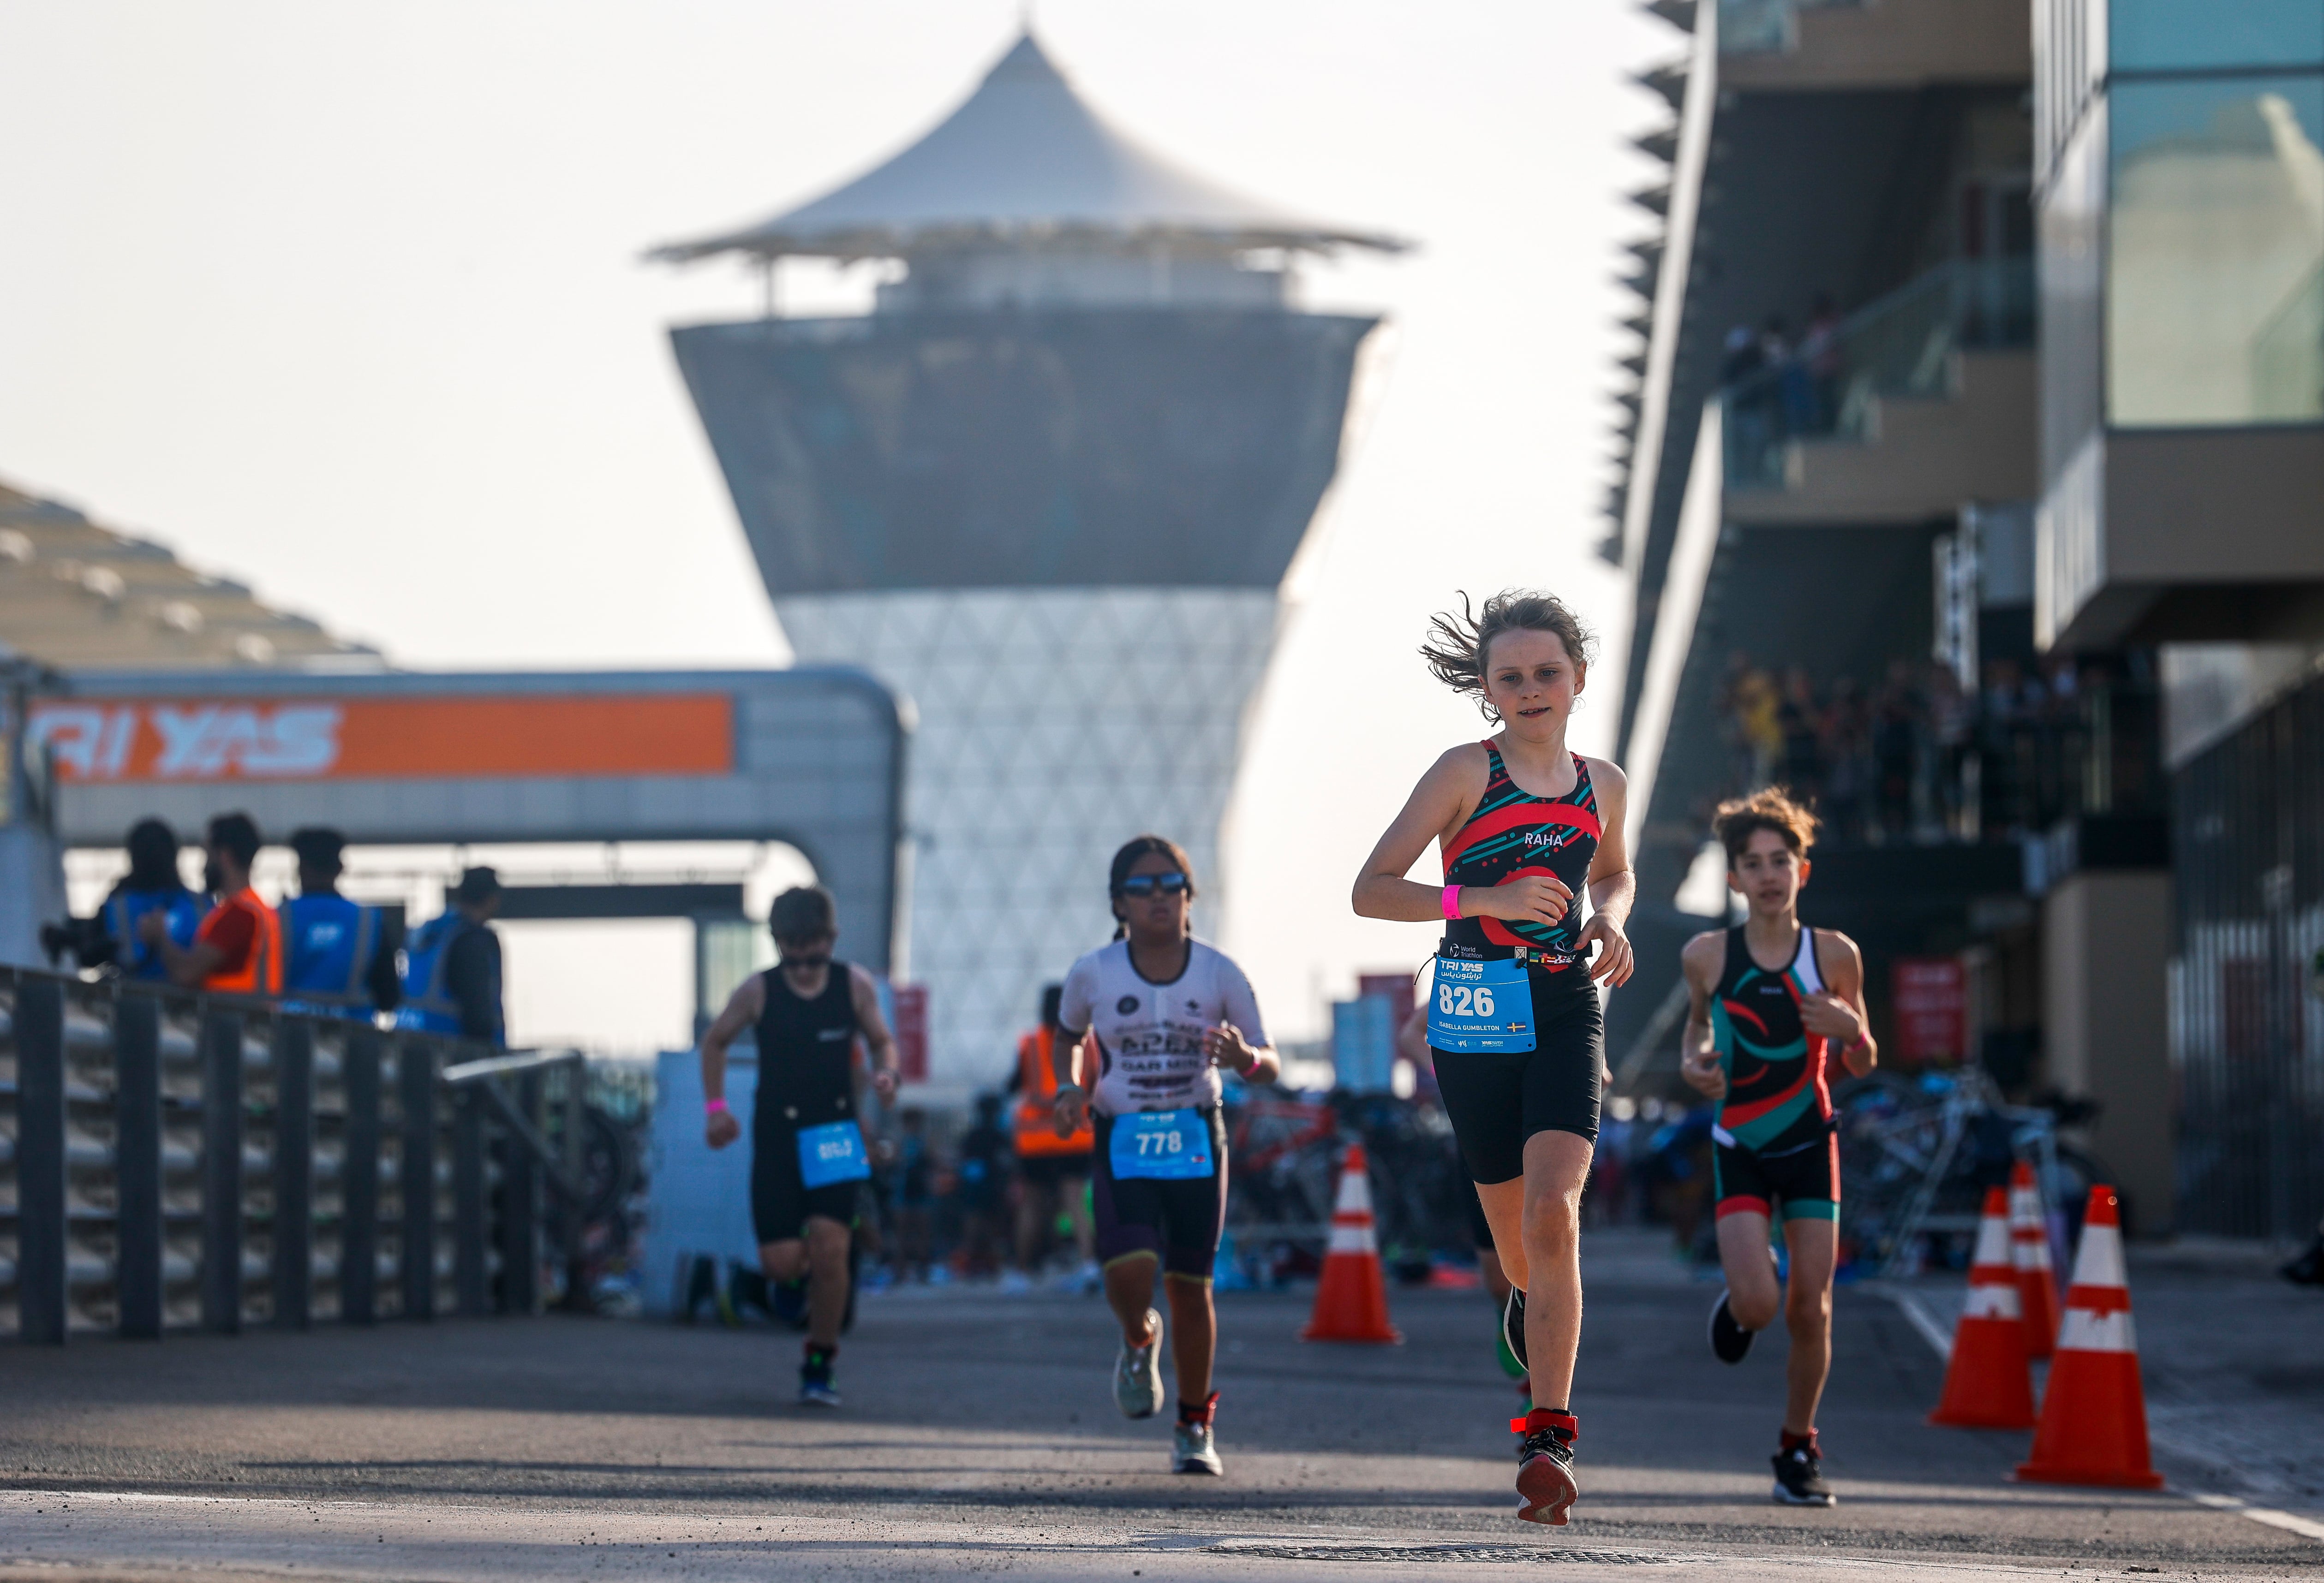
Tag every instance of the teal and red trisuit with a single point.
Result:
(1498, 1093)
(1777, 1152)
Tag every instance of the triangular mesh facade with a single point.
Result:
(1054, 726)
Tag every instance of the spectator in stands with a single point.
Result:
(912, 1193)
(1797, 719)
(237, 947)
(152, 885)
(1844, 733)
(983, 1188)
(452, 966)
(1747, 400)
(1820, 356)
(1896, 723)
(338, 955)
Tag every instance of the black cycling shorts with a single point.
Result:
(1051, 1170)
(1480, 1230)
(1179, 1222)
(1802, 1183)
(1498, 1100)
(781, 1202)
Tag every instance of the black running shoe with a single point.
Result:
(1729, 1341)
(1546, 1487)
(1799, 1479)
(1513, 1328)
(2308, 1269)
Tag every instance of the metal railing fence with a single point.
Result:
(1830, 385)
(171, 1161)
(2247, 977)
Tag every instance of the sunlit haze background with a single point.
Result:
(346, 302)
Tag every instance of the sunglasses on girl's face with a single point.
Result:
(1145, 885)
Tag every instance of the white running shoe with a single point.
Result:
(1193, 1450)
(1137, 1375)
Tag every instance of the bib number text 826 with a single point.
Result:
(1464, 1000)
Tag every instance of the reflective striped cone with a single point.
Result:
(2029, 1246)
(1989, 1382)
(2093, 1428)
(1351, 1299)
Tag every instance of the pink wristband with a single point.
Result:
(1453, 902)
(712, 1107)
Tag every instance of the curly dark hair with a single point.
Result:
(1457, 645)
(1771, 807)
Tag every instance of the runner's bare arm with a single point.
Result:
(1255, 1064)
(186, 965)
(1434, 812)
(1613, 885)
(1698, 963)
(721, 1126)
(1838, 1013)
(881, 1043)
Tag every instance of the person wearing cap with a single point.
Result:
(237, 949)
(338, 955)
(452, 966)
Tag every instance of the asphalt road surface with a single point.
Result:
(979, 1435)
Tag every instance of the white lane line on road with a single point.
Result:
(1925, 1323)
(2303, 1526)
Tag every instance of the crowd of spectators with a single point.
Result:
(1913, 756)
(313, 951)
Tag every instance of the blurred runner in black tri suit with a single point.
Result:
(807, 1155)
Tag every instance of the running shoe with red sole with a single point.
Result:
(1547, 1490)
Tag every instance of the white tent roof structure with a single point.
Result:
(1025, 162)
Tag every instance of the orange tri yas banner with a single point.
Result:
(374, 739)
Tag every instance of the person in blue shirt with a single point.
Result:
(452, 966)
(150, 886)
(338, 955)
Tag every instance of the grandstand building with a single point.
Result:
(1048, 488)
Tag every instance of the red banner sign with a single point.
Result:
(1930, 996)
(362, 739)
(912, 1032)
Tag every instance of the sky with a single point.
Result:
(346, 302)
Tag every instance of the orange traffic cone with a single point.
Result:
(2093, 1428)
(1351, 1299)
(2029, 1245)
(1988, 1384)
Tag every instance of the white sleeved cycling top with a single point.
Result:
(1150, 1035)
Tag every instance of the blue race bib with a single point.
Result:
(831, 1153)
(1481, 1006)
(1170, 1146)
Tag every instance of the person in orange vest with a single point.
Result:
(238, 948)
(1053, 1170)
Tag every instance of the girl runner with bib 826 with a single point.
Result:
(1524, 825)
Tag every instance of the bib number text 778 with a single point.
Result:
(1159, 1143)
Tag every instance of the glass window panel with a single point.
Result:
(2177, 35)
(2214, 266)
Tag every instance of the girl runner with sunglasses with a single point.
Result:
(1524, 827)
(1164, 1012)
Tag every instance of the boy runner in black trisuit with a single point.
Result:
(1770, 1005)
(1525, 824)
(1162, 1012)
(807, 1157)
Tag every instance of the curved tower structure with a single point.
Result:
(1048, 488)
